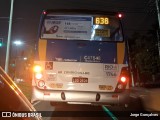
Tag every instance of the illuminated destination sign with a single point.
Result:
(101, 20)
(94, 27)
(102, 32)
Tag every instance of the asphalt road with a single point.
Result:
(88, 112)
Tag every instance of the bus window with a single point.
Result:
(78, 27)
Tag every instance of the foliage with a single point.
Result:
(144, 52)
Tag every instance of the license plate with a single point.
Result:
(105, 87)
(79, 80)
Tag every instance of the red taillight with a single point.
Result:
(124, 75)
(120, 15)
(44, 12)
(123, 79)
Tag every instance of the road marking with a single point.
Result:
(109, 113)
(36, 103)
(133, 96)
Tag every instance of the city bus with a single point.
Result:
(81, 58)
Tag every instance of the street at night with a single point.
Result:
(80, 59)
(87, 112)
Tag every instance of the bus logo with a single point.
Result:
(110, 67)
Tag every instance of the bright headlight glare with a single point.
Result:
(38, 75)
(37, 68)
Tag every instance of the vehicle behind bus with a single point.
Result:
(81, 58)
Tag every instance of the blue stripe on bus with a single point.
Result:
(81, 50)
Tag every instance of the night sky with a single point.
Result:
(139, 15)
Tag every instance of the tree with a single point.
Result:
(144, 52)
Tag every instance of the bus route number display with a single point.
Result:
(101, 20)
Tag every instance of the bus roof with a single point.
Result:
(80, 11)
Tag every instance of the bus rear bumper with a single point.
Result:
(83, 97)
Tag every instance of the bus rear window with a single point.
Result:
(82, 27)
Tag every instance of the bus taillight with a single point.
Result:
(38, 72)
(123, 79)
(37, 68)
(38, 75)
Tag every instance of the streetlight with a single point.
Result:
(17, 42)
(25, 58)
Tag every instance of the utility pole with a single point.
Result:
(158, 31)
(158, 13)
(9, 37)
